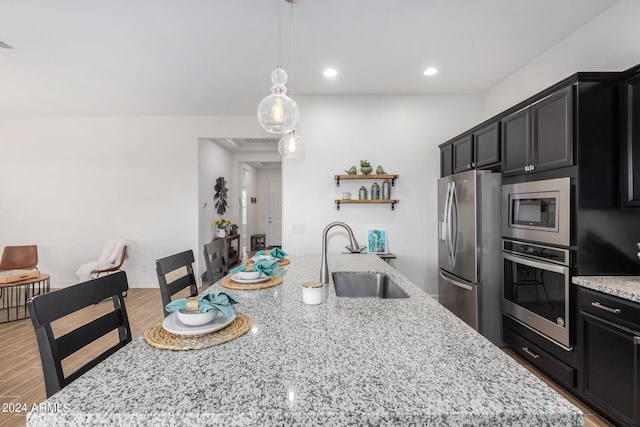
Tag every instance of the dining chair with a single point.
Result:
(175, 273)
(47, 308)
(19, 257)
(214, 259)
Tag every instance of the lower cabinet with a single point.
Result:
(608, 337)
(552, 360)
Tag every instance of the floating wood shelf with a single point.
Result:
(392, 202)
(391, 177)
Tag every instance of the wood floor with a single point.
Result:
(21, 380)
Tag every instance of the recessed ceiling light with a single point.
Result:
(330, 72)
(430, 71)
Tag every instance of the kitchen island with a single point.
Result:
(344, 362)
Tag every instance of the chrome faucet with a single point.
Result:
(354, 248)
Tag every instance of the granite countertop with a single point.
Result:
(343, 362)
(626, 287)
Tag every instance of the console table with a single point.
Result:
(15, 295)
(231, 249)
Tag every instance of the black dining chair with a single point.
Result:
(214, 259)
(175, 273)
(47, 308)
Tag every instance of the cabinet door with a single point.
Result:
(610, 356)
(446, 160)
(515, 142)
(552, 131)
(486, 145)
(631, 156)
(463, 154)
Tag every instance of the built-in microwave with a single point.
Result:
(538, 211)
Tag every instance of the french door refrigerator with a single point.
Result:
(469, 236)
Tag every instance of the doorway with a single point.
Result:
(274, 233)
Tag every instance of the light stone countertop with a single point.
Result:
(343, 362)
(626, 287)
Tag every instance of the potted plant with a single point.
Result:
(365, 167)
(221, 226)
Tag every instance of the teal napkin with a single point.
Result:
(209, 302)
(275, 252)
(266, 267)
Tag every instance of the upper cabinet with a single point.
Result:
(486, 145)
(631, 152)
(540, 136)
(476, 150)
(446, 160)
(463, 154)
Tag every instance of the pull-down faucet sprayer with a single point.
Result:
(354, 248)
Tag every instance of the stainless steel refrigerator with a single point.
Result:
(469, 236)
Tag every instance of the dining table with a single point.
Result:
(345, 361)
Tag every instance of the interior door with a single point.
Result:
(274, 236)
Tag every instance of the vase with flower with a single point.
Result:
(221, 225)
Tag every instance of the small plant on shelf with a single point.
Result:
(365, 167)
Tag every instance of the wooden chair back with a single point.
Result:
(214, 259)
(171, 280)
(19, 257)
(52, 306)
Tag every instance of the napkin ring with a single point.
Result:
(192, 304)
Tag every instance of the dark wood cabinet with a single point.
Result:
(486, 145)
(515, 142)
(463, 154)
(631, 154)
(479, 148)
(608, 338)
(540, 136)
(446, 160)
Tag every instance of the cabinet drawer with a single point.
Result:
(553, 367)
(609, 307)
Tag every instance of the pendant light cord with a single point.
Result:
(279, 37)
(291, 48)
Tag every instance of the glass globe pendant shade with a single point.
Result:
(277, 113)
(291, 146)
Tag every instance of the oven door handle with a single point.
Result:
(536, 264)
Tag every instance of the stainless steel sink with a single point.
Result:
(366, 285)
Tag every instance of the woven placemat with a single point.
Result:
(159, 337)
(231, 284)
(282, 262)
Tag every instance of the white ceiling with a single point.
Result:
(214, 57)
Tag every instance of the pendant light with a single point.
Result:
(278, 113)
(291, 146)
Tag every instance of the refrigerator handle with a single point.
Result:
(455, 283)
(447, 216)
(455, 226)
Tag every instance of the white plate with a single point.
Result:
(173, 325)
(261, 257)
(263, 278)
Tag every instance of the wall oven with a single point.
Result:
(536, 287)
(538, 211)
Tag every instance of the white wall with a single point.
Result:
(609, 42)
(70, 183)
(213, 162)
(402, 134)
